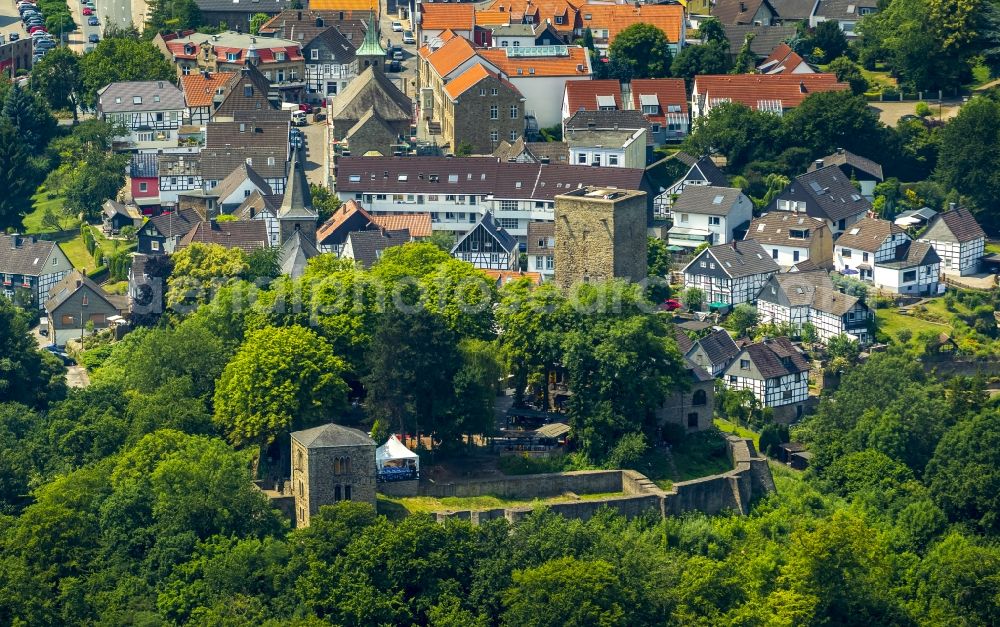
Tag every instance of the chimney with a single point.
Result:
(802, 87)
(743, 7)
(299, 16)
(79, 283)
(840, 151)
(734, 246)
(15, 240)
(951, 206)
(819, 163)
(544, 160)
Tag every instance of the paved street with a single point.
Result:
(10, 20)
(315, 151)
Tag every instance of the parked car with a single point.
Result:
(395, 66)
(61, 354)
(14, 37)
(397, 54)
(305, 107)
(93, 38)
(37, 29)
(93, 21)
(44, 44)
(296, 138)
(671, 304)
(397, 27)
(408, 38)
(88, 11)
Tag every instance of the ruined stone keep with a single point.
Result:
(330, 463)
(600, 234)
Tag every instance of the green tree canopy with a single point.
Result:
(968, 161)
(644, 49)
(280, 379)
(567, 592)
(26, 376)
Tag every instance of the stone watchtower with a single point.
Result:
(600, 234)
(296, 212)
(331, 463)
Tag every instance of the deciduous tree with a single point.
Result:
(282, 378)
(644, 49)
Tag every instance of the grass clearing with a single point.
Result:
(727, 426)
(891, 322)
(410, 505)
(40, 202)
(992, 248)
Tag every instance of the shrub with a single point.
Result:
(922, 109)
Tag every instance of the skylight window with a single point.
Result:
(855, 231)
(718, 200)
(452, 178)
(355, 178)
(402, 177)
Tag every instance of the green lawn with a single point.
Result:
(33, 221)
(730, 427)
(992, 247)
(891, 322)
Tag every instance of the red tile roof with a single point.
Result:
(669, 18)
(668, 91)
(752, 89)
(442, 15)
(470, 78)
(199, 89)
(541, 11)
(782, 60)
(339, 217)
(583, 94)
(492, 18)
(516, 67)
(452, 54)
(418, 224)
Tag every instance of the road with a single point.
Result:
(315, 152)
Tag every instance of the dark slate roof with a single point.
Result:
(709, 172)
(707, 199)
(698, 374)
(219, 163)
(684, 343)
(367, 246)
(834, 196)
(297, 200)
(912, 254)
(154, 95)
(111, 208)
(294, 254)
(258, 6)
(737, 11)
(776, 358)
(506, 241)
(765, 37)
(71, 284)
(476, 175)
(256, 203)
(143, 165)
(336, 41)
(235, 178)
(957, 225)
(832, 301)
(775, 227)
(236, 98)
(175, 223)
(372, 89)
(332, 435)
(719, 346)
(868, 234)
(250, 235)
(304, 26)
(737, 259)
(257, 133)
(28, 257)
(793, 10)
(848, 160)
(798, 287)
(843, 9)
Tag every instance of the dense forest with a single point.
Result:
(130, 501)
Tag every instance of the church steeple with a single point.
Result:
(371, 53)
(296, 212)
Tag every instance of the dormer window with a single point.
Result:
(279, 56)
(232, 56)
(136, 99)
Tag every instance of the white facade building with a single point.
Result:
(957, 239)
(708, 214)
(881, 253)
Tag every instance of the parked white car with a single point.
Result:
(397, 27)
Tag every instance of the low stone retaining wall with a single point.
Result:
(734, 490)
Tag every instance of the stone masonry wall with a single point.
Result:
(315, 480)
(734, 490)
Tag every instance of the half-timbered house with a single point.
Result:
(178, 173)
(798, 298)
(487, 245)
(730, 274)
(774, 371)
(881, 253)
(714, 352)
(151, 112)
(258, 206)
(160, 234)
(957, 239)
